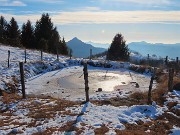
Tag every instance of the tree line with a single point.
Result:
(43, 36)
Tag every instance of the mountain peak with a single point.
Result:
(75, 39)
(81, 49)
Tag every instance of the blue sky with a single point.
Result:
(153, 21)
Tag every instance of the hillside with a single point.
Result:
(55, 98)
(81, 49)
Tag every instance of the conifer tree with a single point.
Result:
(3, 26)
(54, 42)
(13, 33)
(27, 35)
(64, 48)
(43, 30)
(118, 49)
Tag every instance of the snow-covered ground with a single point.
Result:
(63, 80)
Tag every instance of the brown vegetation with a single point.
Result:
(102, 130)
(156, 127)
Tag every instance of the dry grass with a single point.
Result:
(67, 128)
(156, 127)
(176, 80)
(117, 102)
(102, 130)
(139, 69)
(13, 85)
(10, 97)
(140, 97)
(161, 89)
(136, 98)
(171, 105)
(41, 111)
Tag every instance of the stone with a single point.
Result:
(99, 90)
(137, 85)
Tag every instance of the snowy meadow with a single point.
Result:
(55, 98)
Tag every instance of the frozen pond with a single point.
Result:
(68, 83)
(97, 79)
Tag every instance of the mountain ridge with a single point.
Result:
(82, 49)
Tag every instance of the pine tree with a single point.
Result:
(54, 42)
(27, 35)
(3, 26)
(43, 30)
(13, 33)
(64, 48)
(118, 49)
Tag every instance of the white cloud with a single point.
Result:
(48, 1)
(144, 2)
(11, 3)
(88, 9)
(92, 17)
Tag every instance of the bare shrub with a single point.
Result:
(139, 96)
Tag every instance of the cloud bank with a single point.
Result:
(99, 17)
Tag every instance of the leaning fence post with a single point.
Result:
(90, 57)
(25, 55)
(70, 53)
(150, 87)
(170, 80)
(166, 60)
(8, 57)
(148, 59)
(177, 60)
(86, 82)
(41, 55)
(57, 55)
(22, 79)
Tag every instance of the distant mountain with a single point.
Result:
(81, 49)
(101, 45)
(158, 49)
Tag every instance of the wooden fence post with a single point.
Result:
(86, 82)
(22, 79)
(25, 56)
(150, 87)
(8, 57)
(170, 80)
(177, 60)
(70, 53)
(57, 55)
(148, 60)
(41, 55)
(166, 60)
(90, 57)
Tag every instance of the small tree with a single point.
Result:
(64, 48)
(118, 49)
